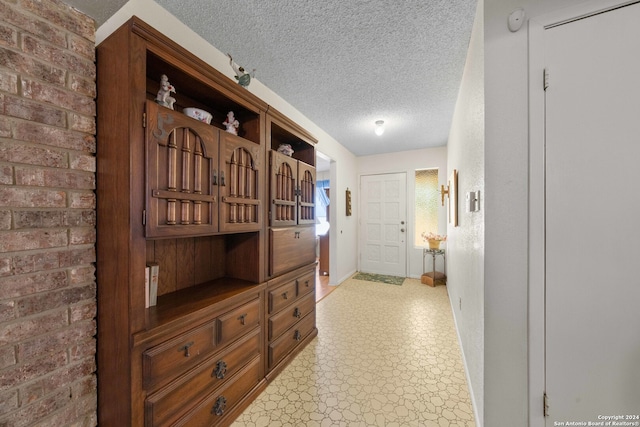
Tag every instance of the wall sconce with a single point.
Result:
(379, 127)
(443, 192)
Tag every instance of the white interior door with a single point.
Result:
(383, 228)
(592, 249)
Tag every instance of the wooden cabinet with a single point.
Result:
(292, 241)
(291, 303)
(239, 183)
(192, 198)
(201, 179)
(291, 247)
(184, 368)
(292, 187)
(292, 191)
(182, 184)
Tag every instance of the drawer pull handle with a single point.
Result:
(185, 348)
(285, 295)
(296, 313)
(306, 283)
(220, 406)
(297, 336)
(221, 369)
(241, 318)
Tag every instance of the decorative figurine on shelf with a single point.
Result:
(241, 76)
(231, 123)
(285, 149)
(164, 97)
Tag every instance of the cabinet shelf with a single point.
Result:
(281, 130)
(183, 304)
(194, 89)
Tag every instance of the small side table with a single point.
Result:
(434, 277)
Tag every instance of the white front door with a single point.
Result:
(383, 228)
(592, 248)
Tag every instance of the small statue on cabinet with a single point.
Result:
(285, 149)
(241, 76)
(231, 123)
(164, 97)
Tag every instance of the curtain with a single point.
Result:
(321, 196)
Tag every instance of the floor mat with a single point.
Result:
(392, 280)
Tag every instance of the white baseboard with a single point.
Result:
(478, 421)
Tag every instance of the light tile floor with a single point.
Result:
(385, 355)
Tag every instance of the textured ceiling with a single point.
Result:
(343, 63)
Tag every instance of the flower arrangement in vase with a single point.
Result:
(433, 239)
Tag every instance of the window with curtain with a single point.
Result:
(426, 204)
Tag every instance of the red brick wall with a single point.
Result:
(47, 215)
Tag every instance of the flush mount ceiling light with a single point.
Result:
(379, 127)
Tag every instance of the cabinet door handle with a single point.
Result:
(185, 348)
(222, 178)
(241, 318)
(297, 313)
(220, 406)
(221, 369)
(214, 177)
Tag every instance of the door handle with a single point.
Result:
(402, 230)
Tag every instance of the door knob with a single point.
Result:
(402, 230)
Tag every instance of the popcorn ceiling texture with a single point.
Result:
(344, 64)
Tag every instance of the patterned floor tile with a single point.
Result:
(384, 356)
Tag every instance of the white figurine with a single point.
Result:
(285, 149)
(242, 76)
(231, 123)
(164, 97)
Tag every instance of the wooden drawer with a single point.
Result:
(291, 247)
(165, 406)
(164, 361)
(282, 321)
(307, 283)
(239, 321)
(282, 296)
(219, 403)
(290, 339)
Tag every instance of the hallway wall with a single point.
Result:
(506, 343)
(465, 248)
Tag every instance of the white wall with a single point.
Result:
(408, 162)
(343, 239)
(465, 246)
(506, 211)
